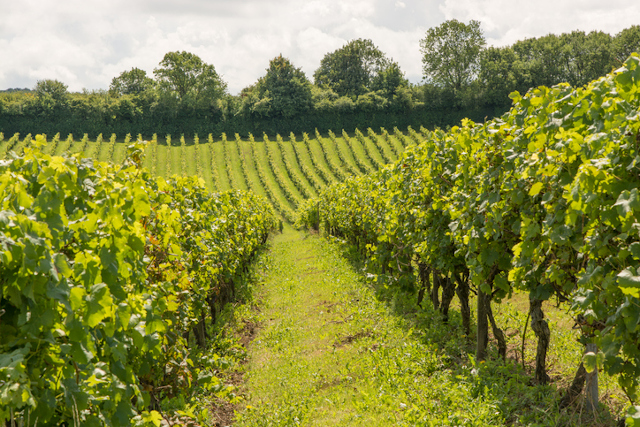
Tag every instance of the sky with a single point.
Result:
(86, 43)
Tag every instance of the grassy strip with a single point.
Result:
(335, 349)
(301, 183)
(63, 146)
(342, 156)
(359, 156)
(370, 151)
(330, 353)
(280, 207)
(92, 149)
(281, 180)
(120, 150)
(387, 153)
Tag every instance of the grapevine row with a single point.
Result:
(544, 199)
(378, 142)
(215, 180)
(275, 170)
(360, 163)
(368, 151)
(288, 168)
(341, 155)
(284, 210)
(301, 148)
(227, 160)
(334, 168)
(105, 273)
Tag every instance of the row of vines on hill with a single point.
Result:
(298, 171)
(107, 274)
(544, 199)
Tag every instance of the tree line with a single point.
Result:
(356, 85)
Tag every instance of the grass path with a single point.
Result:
(328, 352)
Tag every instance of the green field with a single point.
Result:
(286, 170)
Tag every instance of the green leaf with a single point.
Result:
(627, 202)
(590, 361)
(627, 278)
(536, 188)
(629, 283)
(98, 304)
(633, 417)
(76, 297)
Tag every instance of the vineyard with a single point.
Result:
(543, 200)
(106, 273)
(284, 171)
(117, 258)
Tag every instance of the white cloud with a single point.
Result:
(86, 43)
(505, 21)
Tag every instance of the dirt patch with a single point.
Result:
(248, 333)
(222, 412)
(348, 339)
(312, 272)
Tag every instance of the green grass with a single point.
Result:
(270, 179)
(223, 176)
(335, 349)
(289, 154)
(247, 155)
(238, 177)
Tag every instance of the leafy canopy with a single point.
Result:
(287, 87)
(188, 76)
(451, 53)
(351, 69)
(51, 89)
(131, 82)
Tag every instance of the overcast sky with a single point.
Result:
(85, 43)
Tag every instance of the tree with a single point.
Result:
(53, 90)
(189, 77)
(287, 87)
(131, 82)
(626, 42)
(576, 57)
(451, 53)
(501, 72)
(350, 70)
(389, 80)
(586, 57)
